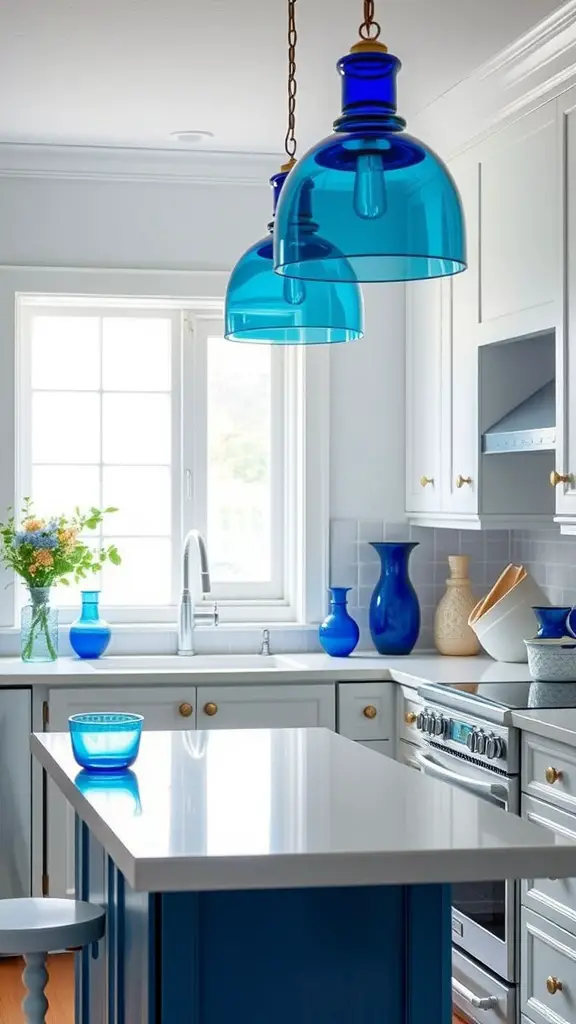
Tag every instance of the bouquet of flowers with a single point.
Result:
(44, 552)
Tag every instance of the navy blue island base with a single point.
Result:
(357, 955)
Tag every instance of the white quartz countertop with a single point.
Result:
(291, 808)
(554, 723)
(412, 670)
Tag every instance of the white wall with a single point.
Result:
(168, 225)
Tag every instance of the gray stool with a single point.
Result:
(32, 928)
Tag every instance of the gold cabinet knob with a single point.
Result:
(210, 709)
(410, 717)
(553, 985)
(425, 480)
(370, 711)
(185, 710)
(461, 480)
(559, 478)
(552, 775)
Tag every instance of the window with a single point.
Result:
(141, 404)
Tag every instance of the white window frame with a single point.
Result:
(306, 453)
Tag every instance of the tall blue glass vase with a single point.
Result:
(339, 634)
(89, 634)
(394, 608)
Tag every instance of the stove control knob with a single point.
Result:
(439, 725)
(446, 722)
(471, 741)
(491, 746)
(420, 721)
(431, 724)
(500, 750)
(481, 743)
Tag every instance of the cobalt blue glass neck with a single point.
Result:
(338, 595)
(369, 92)
(277, 181)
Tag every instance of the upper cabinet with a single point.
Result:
(424, 322)
(517, 215)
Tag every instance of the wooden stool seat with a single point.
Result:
(34, 927)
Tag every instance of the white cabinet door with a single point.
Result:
(423, 395)
(518, 228)
(366, 710)
(566, 332)
(170, 707)
(266, 707)
(460, 429)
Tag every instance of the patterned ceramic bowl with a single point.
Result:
(552, 661)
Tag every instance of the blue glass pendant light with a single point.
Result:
(369, 203)
(262, 306)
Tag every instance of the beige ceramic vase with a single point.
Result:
(452, 634)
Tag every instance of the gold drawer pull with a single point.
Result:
(553, 985)
(461, 480)
(370, 711)
(185, 710)
(559, 478)
(410, 717)
(425, 480)
(210, 709)
(552, 775)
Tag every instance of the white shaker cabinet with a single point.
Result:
(519, 255)
(424, 388)
(167, 707)
(565, 481)
(267, 707)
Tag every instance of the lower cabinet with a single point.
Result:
(548, 974)
(174, 708)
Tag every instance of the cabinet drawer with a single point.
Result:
(470, 981)
(266, 707)
(408, 705)
(549, 771)
(163, 707)
(553, 898)
(366, 710)
(548, 957)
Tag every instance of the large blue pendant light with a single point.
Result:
(261, 306)
(369, 203)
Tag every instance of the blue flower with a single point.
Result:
(37, 539)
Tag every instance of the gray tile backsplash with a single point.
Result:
(550, 557)
(353, 563)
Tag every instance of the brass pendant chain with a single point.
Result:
(290, 139)
(369, 29)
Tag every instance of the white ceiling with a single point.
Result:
(129, 72)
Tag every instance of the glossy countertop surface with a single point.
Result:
(552, 723)
(412, 670)
(289, 808)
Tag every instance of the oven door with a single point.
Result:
(483, 913)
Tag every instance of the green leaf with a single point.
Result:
(65, 582)
(114, 556)
(111, 509)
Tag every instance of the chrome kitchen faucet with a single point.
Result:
(188, 617)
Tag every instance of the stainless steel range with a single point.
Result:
(469, 742)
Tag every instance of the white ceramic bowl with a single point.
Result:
(552, 661)
(502, 629)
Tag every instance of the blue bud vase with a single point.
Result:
(394, 607)
(90, 635)
(339, 634)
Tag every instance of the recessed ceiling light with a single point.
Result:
(192, 135)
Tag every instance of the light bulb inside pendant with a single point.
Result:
(369, 186)
(294, 291)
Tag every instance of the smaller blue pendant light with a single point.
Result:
(369, 203)
(261, 306)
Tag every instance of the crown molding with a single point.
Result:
(107, 163)
(535, 68)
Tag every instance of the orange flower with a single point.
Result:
(67, 537)
(43, 559)
(32, 569)
(30, 525)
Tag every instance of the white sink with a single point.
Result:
(196, 663)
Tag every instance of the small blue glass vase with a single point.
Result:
(89, 634)
(394, 607)
(339, 634)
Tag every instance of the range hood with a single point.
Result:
(530, 427)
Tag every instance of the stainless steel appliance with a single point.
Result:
(468, 743)
(15, 792)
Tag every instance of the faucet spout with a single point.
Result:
(187, 617)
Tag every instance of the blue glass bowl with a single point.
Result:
(105, 741)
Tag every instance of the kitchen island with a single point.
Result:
(319, 892)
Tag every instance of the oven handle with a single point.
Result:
(478, 1002)
(427, 762)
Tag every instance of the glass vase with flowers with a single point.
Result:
(45, 552)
